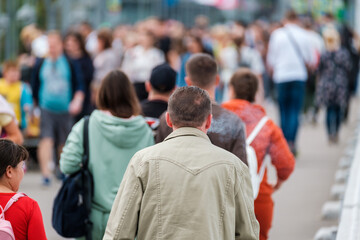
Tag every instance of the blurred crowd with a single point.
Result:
(325, 61)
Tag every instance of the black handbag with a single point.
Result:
(72, 205)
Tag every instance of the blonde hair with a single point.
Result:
(331, 39)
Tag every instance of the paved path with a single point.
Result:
(297, 204)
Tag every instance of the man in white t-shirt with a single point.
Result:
(290, 50)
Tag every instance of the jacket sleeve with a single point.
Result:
(246, 225)
(239, 145)
(35, 79)
(123, 219)
(71, 156)
(281, 156)
(163, 130)
(76, 76)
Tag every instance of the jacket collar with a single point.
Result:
(240, 103)
(187, 131)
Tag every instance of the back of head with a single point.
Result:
(201, 68)
(105, 35)
(11, 154)
(331, 38)
(163, 79)
(244, 84)
(189, 107)
(291, 16)
(118, 96)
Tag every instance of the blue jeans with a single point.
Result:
(290, 97)
(333, 119)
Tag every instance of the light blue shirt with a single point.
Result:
(55, 89)
(26, 100)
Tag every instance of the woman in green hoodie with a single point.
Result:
(116, 132)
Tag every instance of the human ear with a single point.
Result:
(9, 172)
(231, 92)
(217, 81)
(147, 86)
(168, 120)
(208, 122)
(188, 81)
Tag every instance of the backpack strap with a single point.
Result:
(10, 202)
(85, 159)
(256, 130)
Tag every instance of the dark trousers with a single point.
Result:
(333, 119)
(290, 98)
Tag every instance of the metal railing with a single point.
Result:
(350, 215)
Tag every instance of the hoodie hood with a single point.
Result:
(123, 133)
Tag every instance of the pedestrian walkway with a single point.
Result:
(45, 198)
(298, 203)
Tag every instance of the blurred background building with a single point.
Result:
(60, 14)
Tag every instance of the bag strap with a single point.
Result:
(296, 46)
(265, 164)
(12, 200)
(85, 159)
(256, 130)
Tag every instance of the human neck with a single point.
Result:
(54, 57)
(10, 82)
(154, 96)
(211, 91)
(76, 54)
(201, 128)
(5, 187)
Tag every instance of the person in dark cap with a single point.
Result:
(160, 86)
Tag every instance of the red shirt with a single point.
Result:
(25, 217)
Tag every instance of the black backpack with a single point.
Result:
(72, 205)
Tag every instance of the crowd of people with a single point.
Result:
(198, 93)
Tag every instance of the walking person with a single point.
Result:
(17, 93)
(185, 187)
(75, 49)
(116, 132)
(270, 140)
(290, 52)
(58, 90)
(227, 130)
(333, 85)
(24, 214)
(161, 85)
(9, 128)
(140, 60)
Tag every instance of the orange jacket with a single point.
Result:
(270, 140)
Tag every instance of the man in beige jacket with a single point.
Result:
(185, 187)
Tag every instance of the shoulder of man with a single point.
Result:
(163, 130)
(223, 118)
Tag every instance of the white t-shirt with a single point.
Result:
(139, 62)
(283, 56)
(40, 46)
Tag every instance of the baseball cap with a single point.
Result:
(163, 78)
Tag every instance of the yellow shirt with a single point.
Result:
(12, 94)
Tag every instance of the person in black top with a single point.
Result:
(162, 83)
(74, 47)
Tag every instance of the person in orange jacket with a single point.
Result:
(270, 140)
